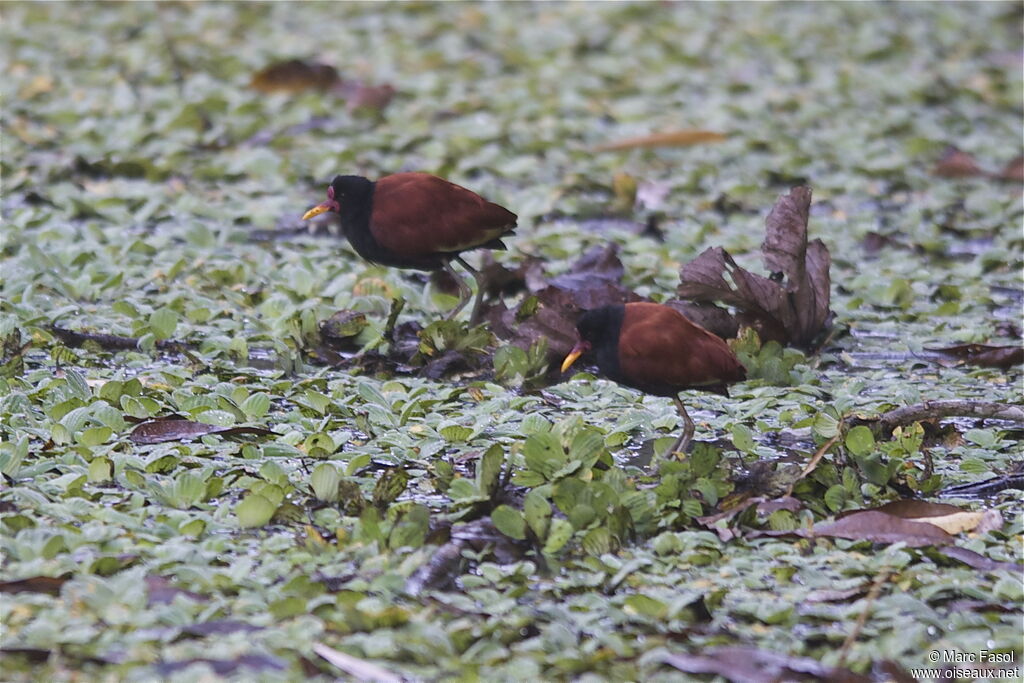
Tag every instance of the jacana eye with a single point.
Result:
(330, 193)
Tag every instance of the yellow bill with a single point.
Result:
(316, 211)
(571, 358)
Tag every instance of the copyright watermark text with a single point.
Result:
(951, 664)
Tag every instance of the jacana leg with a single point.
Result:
(474, 316)
(464, 289)
(682, 444)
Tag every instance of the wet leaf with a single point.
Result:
(160, 591)
(324, 481)
(219, 627)
(509, 521)
(979, 561)
(750, 664)
(949, 518)
(160, 431)
(860, 440)
(252, 663)
(255, 511)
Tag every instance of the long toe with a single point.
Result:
(681, 445)
(465, 293)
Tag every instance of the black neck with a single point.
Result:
(601, 327)
(355, 213)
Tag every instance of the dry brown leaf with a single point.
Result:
(879, 527)
(949, 518)
(294, 76)
(361, 97)
(795, 311)
(712, 318)
(805, 264)
(591, 282)
(677, 138)
(36, 584)
(957, 164)
(1013, 171)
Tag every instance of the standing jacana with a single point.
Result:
(655, 349)
(417, 221)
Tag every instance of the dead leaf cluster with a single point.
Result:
(955, 163)
(295, 76)
(790, 307)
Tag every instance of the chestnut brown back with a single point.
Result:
(415, 214)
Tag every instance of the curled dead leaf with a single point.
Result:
(591, 282)
(712, 318)
(676, 138)
(794, 311)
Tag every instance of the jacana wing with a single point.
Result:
(416, 214)
(661, 352)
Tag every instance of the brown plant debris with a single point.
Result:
(793, 311)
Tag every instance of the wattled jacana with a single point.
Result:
(655, 349)
(417, 221)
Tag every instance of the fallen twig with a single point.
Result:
(928, 410)
(869, 601)
(112, 342)
(815, 459)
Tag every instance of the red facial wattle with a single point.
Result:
(323, 207)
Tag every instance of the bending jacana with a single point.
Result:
(417, 221)
(655, 349)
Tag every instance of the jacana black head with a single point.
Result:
(599, 330)
(351, 188)
(343, 191)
